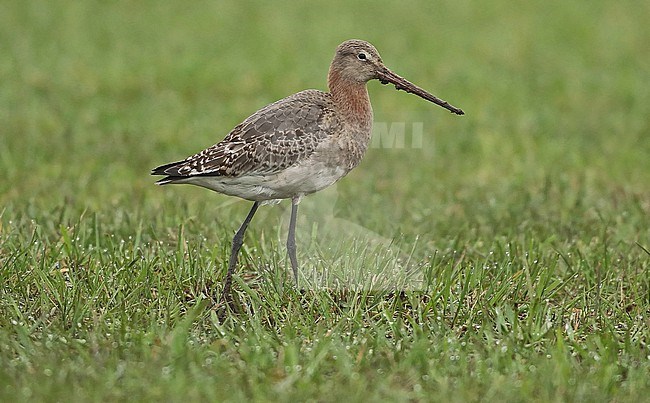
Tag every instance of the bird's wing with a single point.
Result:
(271, 140)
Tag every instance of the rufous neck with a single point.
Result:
(351, 97)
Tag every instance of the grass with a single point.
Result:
(527, 219)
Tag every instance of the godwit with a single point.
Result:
(297, 145)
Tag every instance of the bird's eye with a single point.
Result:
(361, 56)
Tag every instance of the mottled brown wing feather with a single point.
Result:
(271, 140)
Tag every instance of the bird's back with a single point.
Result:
(269, 141)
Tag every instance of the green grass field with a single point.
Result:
(527, 220)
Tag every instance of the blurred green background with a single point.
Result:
(550, 163)
(94, 94)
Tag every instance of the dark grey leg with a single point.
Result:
(291, 239)
(237, 242)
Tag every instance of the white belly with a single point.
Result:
(295, 181)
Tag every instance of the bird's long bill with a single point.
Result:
(386, 76)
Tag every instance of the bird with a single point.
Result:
(295, 146)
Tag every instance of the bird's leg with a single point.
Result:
(237, 242)
(291, 239)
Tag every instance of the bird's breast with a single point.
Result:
(351, 144)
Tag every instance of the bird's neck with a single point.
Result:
(351, 98)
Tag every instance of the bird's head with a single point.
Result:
(357, 61)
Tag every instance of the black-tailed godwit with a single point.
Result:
(297, 145)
